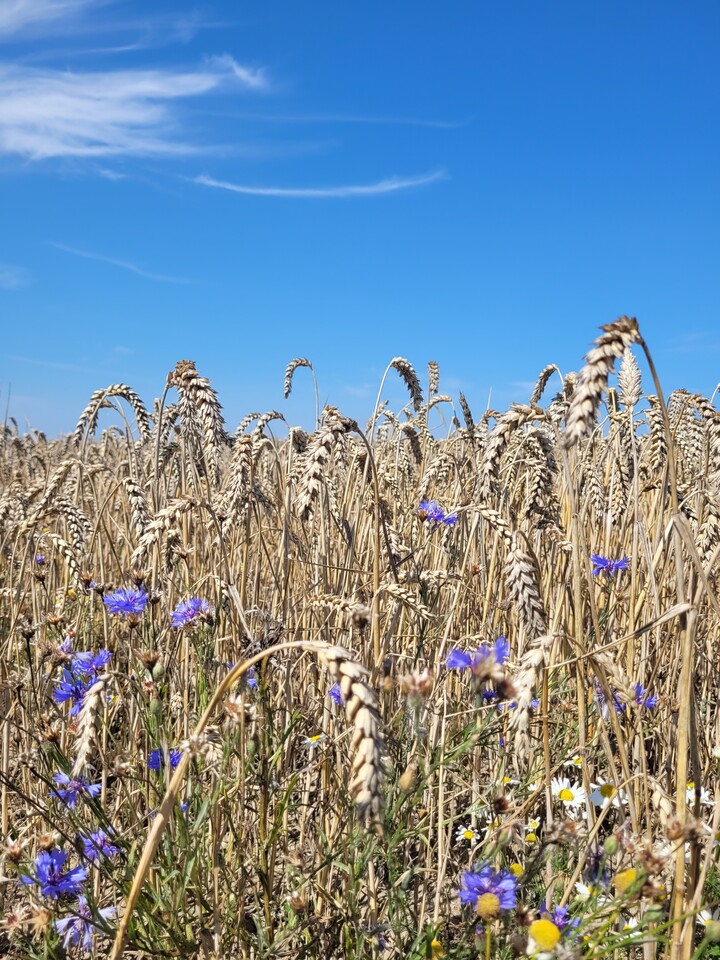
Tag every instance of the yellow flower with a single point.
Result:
(625, 879)
(488, 906)
(544, 934)
(436, 949)
(516, 869)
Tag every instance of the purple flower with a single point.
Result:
(80, 928)
(98, 845)
(188, 610)
(643, 698)
(89, 662)
(335, 694)
(39, 559)
(71, 789)
(432, 513)
(70, 688)
(51, 879)
(610, 567)
(560, 917)
(156, 759)
(125, 602)
(251, 679)
(481, 660)
(487, 892)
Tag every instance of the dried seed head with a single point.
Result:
(408, 779)
(150, 658)
(14, 851)
(46, 841)
(417, 685)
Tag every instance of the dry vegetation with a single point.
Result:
(310, 828)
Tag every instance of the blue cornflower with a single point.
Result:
(156, 759)
(560, 916)
(39, 559)
(487, 892)
(187, 611)
(610, 567)
(126, 601)
(335, 694)
(429, 510)
(89, 662)
(251, 679)
(71, 688)
(80, 929)
(620, 707)
(51, 879)
(98, 845)
(643, 698)
(480, 661)
(71, 789)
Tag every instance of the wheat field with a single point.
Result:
(429, 686)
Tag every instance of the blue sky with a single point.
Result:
(240, 184)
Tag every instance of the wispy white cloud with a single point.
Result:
(391, 185)
(50, 364)
(250, 76)
(49, 113)
(122, 264)
(332, 118)
(12, 277)
(17, 15)
(108, 174)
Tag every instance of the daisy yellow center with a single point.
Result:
(468, 834)
(607, 790)
(488, 906)
(516, 869)
(316, 738)
(531, 838)
(625, 879)
(545, 934)
(566, 795)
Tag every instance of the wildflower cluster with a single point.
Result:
(81, 673)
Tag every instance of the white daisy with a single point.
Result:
(705, 799)
(572, 795)
(466, 834)
(584, 892)
(492, 825)
(531, 830)
(575, 762)
(314, 740)
(707, 916)
(606, 795)
(628, 924)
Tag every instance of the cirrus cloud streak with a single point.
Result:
(389, 185)
(52, 113)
